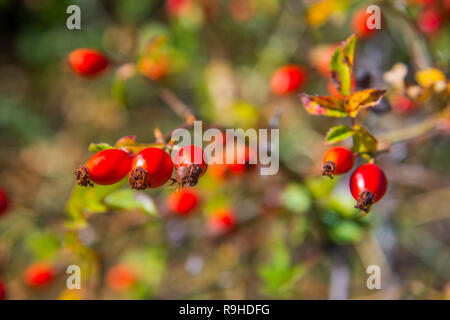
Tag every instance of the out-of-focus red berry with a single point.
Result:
(429, 21)
(4, 202)
(222, 221)
(177, 8)
(88, 62)
(221, 169)
(322, 61)
(183, 202)
(2, 290)
(359, 23)
(39, 274)
(287, 79)
(402, 104)
(120, 278)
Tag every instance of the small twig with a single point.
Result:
(178, 106)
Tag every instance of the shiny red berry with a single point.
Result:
(4, 202)
(88, 62)
(287, 79)
(183, 202)
(120, 278)
(368, 184)
(222, 221)
(39, 274)
(336, 161)
(105, 167)
(2, 291)
(151, 168)
(190, 164)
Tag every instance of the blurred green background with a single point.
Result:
(297, 236)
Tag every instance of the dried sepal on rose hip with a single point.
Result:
(151, 168)
(337, 161)
(105, 167)
(88, 62)
(190, 165)
(368, 184)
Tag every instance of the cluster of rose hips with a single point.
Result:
(149, 168)
(368, 183)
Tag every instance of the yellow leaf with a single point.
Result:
(363, 99)
(426, 78)
(318, 13)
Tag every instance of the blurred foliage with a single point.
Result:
(293, 229)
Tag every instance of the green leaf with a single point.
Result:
(42, 245)
(119, 91)
(339, 133)
(349, 51)
(323, 105)
(347, 231)
(341, 65)
(363, 141)
(363, 99)
(340, 72)
(279, 275)
(97, 147)
(130, 200)
(88, 199)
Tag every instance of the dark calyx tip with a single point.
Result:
(190, 175)
(328, 169)
(138, 178)
(365, 201)
(82, 176)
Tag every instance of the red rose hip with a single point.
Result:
(368, 184)
(222, 221)
(105, 167)
(120, 278)
(336, 161)
(151, 168)
(39, 275)
(287, 79)
(88, 62)
(2, 291)
(190, 165)
(183, 202)
(4, 202)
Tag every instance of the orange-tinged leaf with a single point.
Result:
(126, 141)
(323, 105)
(363, 99)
